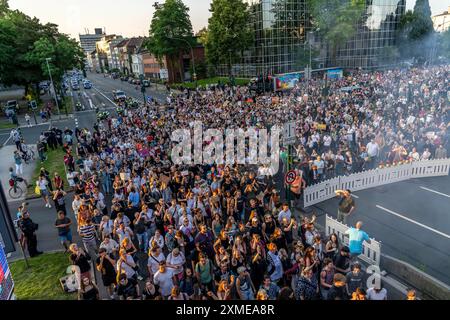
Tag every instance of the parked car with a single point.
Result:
(130, 80)
(137, 82)
(11, 106)
(119, 96)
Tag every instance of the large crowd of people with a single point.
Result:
(221, 232)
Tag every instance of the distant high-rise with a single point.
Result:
(88, 41)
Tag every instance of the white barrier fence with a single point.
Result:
(374, 178)
(371, 251)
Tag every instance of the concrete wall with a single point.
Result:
(427, 286)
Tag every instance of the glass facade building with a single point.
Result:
(281, 29)
(372, 47)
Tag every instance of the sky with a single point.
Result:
(127, 18)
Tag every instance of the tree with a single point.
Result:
(170, 32)
(4, 7)
(336, 20)
(229, 33)
(24, 45)
(415, 36)
(202, 36)
(423, 25)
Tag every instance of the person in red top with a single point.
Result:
(58, 182)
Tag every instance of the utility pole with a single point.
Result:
(53, 85)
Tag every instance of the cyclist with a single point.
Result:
(13, 176)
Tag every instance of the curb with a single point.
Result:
(20, 258)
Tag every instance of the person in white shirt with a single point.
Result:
(164, 279)
(76, 204)
(110, 245)
(155, 256)
(106, 227)
(126, 265)
(175, 261)
(376, 293)
(373, 150)
(158, 239)
(426, 154)
(414, 155)
(327, 142)
(124, 232)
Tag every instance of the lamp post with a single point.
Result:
(53, 85)
(193, 57)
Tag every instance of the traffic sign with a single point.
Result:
(33, 105)
(290, 177)
(289, 135)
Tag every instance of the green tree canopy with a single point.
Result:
(170, 23)
(24, 45)
(423, 25)
(229, 33)
(170, 32)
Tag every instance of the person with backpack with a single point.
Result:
(204, 272)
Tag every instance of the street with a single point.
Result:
(411, 219)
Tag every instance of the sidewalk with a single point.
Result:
(7, 156)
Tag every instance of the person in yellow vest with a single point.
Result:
(297, 187)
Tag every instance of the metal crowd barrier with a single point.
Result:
(371, 251)
(374, 178)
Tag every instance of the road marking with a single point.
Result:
(7, 140)
(437, 192)
(105, 97)
(355, 196)
(413, 221)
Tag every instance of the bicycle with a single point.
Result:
(15, 192)
(28, 155)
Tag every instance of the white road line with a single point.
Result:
(437, 192)
(7, 140)
(106, 97)
(355, 196)
(413, 221)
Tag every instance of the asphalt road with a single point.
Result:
(411, 219)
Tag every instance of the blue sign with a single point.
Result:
(6, 281)
(335, 74)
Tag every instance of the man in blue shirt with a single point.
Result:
(134, 198)
(356, 239)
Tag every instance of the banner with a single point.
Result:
(287, 81)
(335, 74)
(6, 281)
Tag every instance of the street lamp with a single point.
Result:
(193, 57)
(53, 85)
